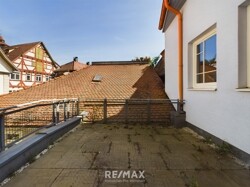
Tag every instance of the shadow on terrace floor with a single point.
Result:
(169, 157)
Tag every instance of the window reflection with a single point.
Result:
(206, 60)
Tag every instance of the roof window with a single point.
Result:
(97, 78)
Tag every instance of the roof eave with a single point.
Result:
(162, 17)
(56, 64)
(4, 56)
(167, 17)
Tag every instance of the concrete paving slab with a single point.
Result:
(76, 177)
(170, 157)
(207, 178)
(35, 177)
(168, 178)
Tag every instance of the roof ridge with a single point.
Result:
(26, 44)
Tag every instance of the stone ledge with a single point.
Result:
(17, 155)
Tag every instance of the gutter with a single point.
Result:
(166, 6)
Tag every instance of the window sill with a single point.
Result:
(242, 89)
(202, 89)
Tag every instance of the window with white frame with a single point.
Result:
(28, 77)
(47, 78)
(39, 78)
(244, 47)
(204, 61)
(15, 76)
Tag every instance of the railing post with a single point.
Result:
(72, 109)
(126, 111)
(181, 106)
(54, 113)
(64, 110)
(58, 113)
(148, 111)
(78, 107)
(105, 110)
(68, 109)
(2, 132)
(178, 106)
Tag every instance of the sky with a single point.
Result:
(92, 30)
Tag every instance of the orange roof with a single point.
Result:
(118, 82)
(15, 51)
(71, 66)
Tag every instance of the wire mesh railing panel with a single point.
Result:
(113, 111)
(128, 110)
(19, 121)
(160, 112)
(137, 112)
(25, 122)
(94, 108)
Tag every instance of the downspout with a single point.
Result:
(180, 51)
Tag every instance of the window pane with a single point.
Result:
(28, 77)
(210, 52)
(200, 48)
(199, 63)
(210, 77)
(200, 78)
(17, 76)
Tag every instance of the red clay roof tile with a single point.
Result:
(118, 82)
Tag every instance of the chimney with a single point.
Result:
(2, 42)
(75, 59)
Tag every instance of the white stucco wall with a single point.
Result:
(4, 67)
(224, 113)
(5, 70)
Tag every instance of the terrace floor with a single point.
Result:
(169, 157)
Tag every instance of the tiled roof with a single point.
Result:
(15, 51)
(160, 66)
(117, 62)
(71, 66)
(118, 81)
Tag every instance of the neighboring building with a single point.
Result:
(119, 62)
(6, 67)
(216, 66)
(119, 81)
(69, 67)
(33, 61)
(160, 66)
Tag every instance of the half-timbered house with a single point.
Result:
(33, 61)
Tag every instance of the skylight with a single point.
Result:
(97, 78)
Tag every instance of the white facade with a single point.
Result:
(5, 69)
(222, 109)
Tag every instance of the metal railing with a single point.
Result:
(129, 110)
(18, 122)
